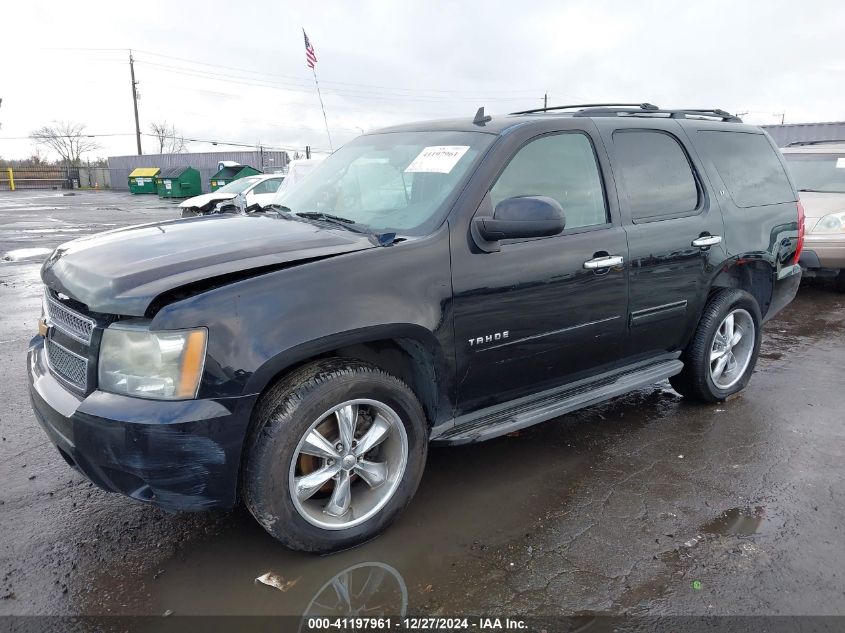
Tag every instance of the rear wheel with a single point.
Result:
(721, 356)
(337, 452)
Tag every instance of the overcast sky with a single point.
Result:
(236, 72)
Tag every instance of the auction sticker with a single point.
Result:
(439, 159)
(840, 163)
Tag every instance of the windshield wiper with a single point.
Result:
(346, 223)
(820, 191)
(278, 208)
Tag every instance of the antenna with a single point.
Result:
(481, 118)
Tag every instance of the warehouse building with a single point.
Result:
(788, 133)
(207, 163)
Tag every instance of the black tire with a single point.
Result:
(839, 281)
(695, 381)
(281, 419)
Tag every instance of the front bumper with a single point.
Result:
(179, 455)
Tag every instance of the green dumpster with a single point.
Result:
(228, 174)
(178, 182)
(142, 179)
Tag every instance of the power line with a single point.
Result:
(339, 83)
(352, 94)
(303, 82)
(186, 138)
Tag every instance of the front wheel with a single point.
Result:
(721, 356)
(336, 453)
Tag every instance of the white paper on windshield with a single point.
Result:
(840, 163)
(439, 159)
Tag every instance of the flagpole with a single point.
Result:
(323, 108)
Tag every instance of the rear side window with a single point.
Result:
(657, 175)
(749, 167)
(560, 166)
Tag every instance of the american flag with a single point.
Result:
(310, 55)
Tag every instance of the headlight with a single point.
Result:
(833, 223)
(165, 365)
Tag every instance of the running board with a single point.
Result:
(523, 412)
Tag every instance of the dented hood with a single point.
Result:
(122, 271)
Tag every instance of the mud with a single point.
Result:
(643, 505)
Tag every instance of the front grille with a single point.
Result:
(68, 366)
(69, 321)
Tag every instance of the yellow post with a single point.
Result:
(11, 180)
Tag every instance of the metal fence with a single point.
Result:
(53, 177)
(40, 177)
(204, 162)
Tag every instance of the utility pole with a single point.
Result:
(545, 101)
(135, 101)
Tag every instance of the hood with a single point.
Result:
(206, 198)
(817, 205)
(122, 271)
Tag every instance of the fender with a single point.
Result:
(279, 364)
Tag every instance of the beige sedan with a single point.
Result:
(819, 173)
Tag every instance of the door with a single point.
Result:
(675, 234)
(545, 311)
(264, 192)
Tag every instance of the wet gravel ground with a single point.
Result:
(643, 505)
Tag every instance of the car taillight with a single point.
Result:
(800, 246)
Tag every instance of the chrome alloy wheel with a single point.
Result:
(348, 464)
(732, 348)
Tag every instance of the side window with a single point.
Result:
(560, 166)
(267, 186)
(748, 166)
(657, 174)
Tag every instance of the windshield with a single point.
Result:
(818, 172)
(239, 185)
(393, 182)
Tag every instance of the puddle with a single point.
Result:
(26, 253)
(737, 522)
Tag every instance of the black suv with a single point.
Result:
(445, 282)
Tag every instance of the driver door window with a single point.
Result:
(562, 167)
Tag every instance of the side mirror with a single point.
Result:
(522, 217)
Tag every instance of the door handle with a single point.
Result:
(608, 261)
(707, 240)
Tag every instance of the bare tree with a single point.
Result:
(67, 139)
(170, 141)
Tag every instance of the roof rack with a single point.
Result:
(670, 114)
(642, 106)
(639, 109)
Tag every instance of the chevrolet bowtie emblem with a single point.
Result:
(43, 327)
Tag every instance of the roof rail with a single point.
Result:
(824, 142)
(641, 106)
(636, 109)
(671, 114)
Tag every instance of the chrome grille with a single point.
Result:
(69, 321)
(68, 366)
